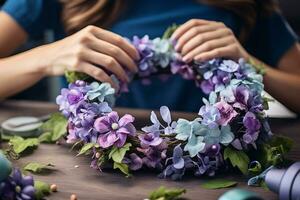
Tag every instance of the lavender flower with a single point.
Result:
(17, 187)
(150, 139)
(253, 126)
(157, 127)
(227, 113)
(133, 161)
(114, 131)
(179, 165)
(145, 48)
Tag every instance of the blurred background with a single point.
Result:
(48, 88)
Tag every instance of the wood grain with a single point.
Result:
(89, 184)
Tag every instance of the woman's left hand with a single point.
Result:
(202, 40)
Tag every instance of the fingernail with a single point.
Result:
(177, 47)
(186, 59)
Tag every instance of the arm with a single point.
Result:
(202, 40)
(83, 52)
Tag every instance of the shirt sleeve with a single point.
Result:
(271, 38)
(32, 15)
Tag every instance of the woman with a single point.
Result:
(210, 28)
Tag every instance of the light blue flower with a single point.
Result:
(164, 52)
(101, 92)
(216, 135)
(193, 133)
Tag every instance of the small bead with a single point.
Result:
(53, 188)
(76, 166)
(115, 126)
(73, 197)
(98, 155)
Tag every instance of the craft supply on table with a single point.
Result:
(285, 182)
(24, 126)
(239, 194)
(5, 167)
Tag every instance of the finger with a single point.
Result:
(107, 62)
(96, 73)
(203, 38)
(117, 40)
(186, 26)
(193, 32)
(115, 52)
(208, 46)
(223, 52)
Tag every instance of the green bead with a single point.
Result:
(239, 194)
(5, 167)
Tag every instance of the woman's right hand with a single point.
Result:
(93, 51)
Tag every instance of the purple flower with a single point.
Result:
(210, 115)
(179, 165)
(17, 187)
(207, 86)
(114, 131)
(185, 70)
(145, 48)
(229, 66)
(134, 162)
(208, 165)
(150, 139)
(252, 126)
(227, 113)
(154, 155)
(242, 95)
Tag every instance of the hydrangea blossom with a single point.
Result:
(17, 187)
(114, 131)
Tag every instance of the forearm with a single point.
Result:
(20, 72)
(283, 86)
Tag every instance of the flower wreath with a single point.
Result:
(231, 130)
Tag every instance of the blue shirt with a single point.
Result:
(268, 41)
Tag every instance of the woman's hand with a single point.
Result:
(202, 40)
(93, 51)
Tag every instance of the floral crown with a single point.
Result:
(231, 131)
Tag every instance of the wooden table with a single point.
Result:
(89, 184)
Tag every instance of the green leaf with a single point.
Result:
(285, 143)
(20, 145)
(41, 189)
(238, 159)
(170, 30)
(74, 76)
(37, 167)
(117, 154)
(86, 147)
(218, 184)
(163, 193)
(54, 128)
(272, 153)
(123, 167)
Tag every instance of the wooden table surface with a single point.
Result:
(89, 184)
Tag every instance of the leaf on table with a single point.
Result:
(38, 167)
(54, 128)
(86, 148)
(20, 144)
(218, 184)
(163, 193)
(41, 189)
(237, 159)
(117, 154)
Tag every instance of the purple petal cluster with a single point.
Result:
(17, 187)
(113, 131)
